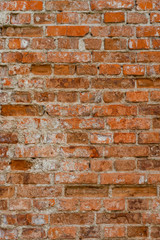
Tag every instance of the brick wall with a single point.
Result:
(80, 119)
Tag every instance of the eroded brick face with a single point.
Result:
(80, 119)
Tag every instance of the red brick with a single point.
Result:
(67, 97)
(155, 96)
(137, 231)
(8, 233)
(138, 204)
(19, 204)
(3, 204)
(114, 204)
(125, 165)
(117, 4)
(118, 218)
(156, 43)
(109, 97)
(19, 70)
(43, 18)
(149, 31)
(70, 110)
(114, 110)
(153, 70)
(43, 43)
(110, 69)
(20, 18)
(122, 178)
(101, 138)
(90, 232)
(70, 204)
(22, 6)
(134, 191)
(114, 44)
(134, 70)
(124, 138)
(155, 232)
(138, 44)
(90, 18)
(90, 97)
(137, 96)
(22, 110)
(68, 83)
(7, 191)
(121, 31)
(41, 69)
(136, 18)
(101, 31)
(67, 18)
(76, 123)
(150, 109)
(123, 151)
(70, 31)
(110, 17)
(90, 205)
(68, 43)
(148, 83)
(101, 165)
(24, 97)
(150, 137)
(22, 165)
(28, 178)
(35, 151)
(78, 165)
(72, 218)
(124, 123)
(113, 232)
(81, 151)
(86, 70)
(147, 5)
(38, 192)
(64, 69)
(69, 57)
(67, 5)
(44, 96)
(112, 83)
(3, 152)
(92, 44)
(8, 138)
(22, 32)
(62, 232)
(115, 57)
(77, 137)
(33, 233)
(147, 57)
(86, 191)
(155, 17)
(149, 164)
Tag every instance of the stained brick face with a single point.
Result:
(80, 119)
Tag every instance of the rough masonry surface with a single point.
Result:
(80, 119)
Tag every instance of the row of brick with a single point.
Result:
(80, 137)
(91, 232)
(74, 43)
(73, 151)
(81, 18)
(79, 69)
(69, 5)
(81, 31)
(81, 57)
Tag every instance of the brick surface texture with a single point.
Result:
(80, 119)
